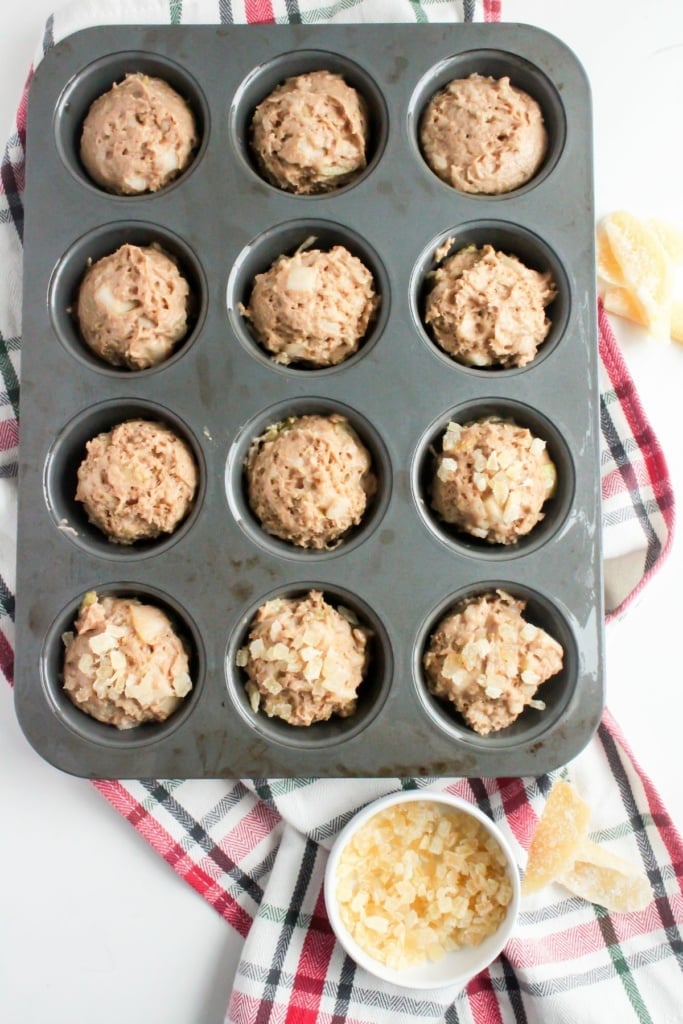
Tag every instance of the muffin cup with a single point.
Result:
(511, 239)
(533, 725)
(372, 692)
(284, 240)
(523, 74)
(71, 269)
(95, 80)
(236, 486)
(82, 724)
(555, 509)
(61, 469)
(262, 80)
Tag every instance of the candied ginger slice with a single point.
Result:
(608, 886)
(601, 856)
(677, 320)
(148, 622)
(645, 266)
(670, 238)
(622, 303)
(558, 835)
(608, 267)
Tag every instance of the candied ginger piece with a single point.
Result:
(148, 622)
(677, 320)
(602, 857)
(608, 267)
(670, 237)
(558, 836)
(621, 302)
(403, 899)
(645, 266)
(611, 887)
(561, 852)
(654, 242)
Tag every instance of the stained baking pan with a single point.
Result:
(402, 568)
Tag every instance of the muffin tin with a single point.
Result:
(402, 568)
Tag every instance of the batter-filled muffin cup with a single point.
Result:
(491, 479)
(133, 306)
(138, 137)
(124, 663)
(309, 479)
(489, 661)
(304, 659)
(137, 481)
(310, 134)
(314, 308)
(486, 308)
(483, 135)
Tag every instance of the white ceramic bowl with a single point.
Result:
(455, 968)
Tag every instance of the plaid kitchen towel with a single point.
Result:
(256, 849)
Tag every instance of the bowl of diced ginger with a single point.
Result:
(422, 890)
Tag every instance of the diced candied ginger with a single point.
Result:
(419, 879)
(558, 835)
(549, 474)
(148, 622)
(100, 643)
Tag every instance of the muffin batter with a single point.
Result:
(489, 661)
(137, 481)
(314, 307)
(492, 478)
(132, 307)
(481, 134)
(309, 479)
(310, 134)
(124, 664)
(304, 660)
(138, 136)
(486, 308)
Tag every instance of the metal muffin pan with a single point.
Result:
(402, 568)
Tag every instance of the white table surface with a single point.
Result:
(94, 926)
